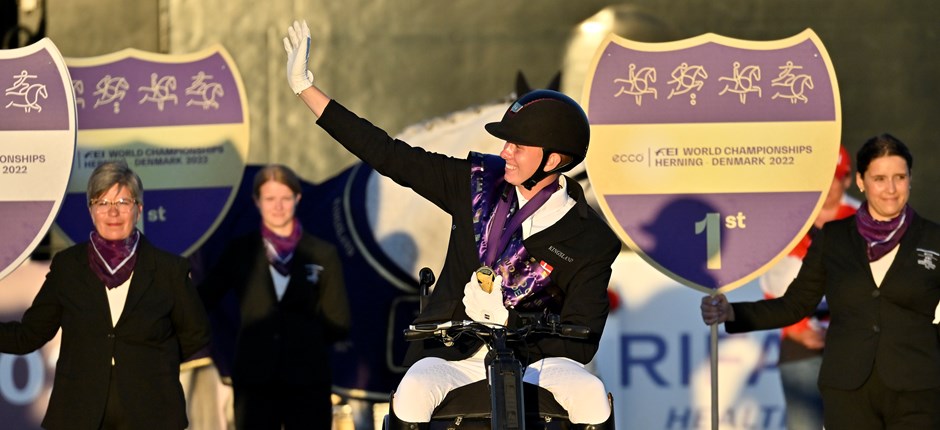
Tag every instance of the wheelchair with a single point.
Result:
(502, 401)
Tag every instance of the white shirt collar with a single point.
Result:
(557, 205)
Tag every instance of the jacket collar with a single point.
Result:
(141, 280)
(572, 223)
(905, 247)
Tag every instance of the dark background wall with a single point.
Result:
(398, 62)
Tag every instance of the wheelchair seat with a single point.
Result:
(473, 401)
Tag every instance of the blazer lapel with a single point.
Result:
(140, 280)
(905, 249)
(262, 272)
(860, 250)
(93, 287)
(298, 276)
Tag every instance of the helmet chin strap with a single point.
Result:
(540, 172)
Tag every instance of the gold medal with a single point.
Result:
(485, 278)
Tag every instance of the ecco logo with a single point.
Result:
(628, 158)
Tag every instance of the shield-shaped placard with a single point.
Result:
(711, 156)
(179, 121)
(37, 145)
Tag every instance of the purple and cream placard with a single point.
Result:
(179, 121)
(37, 146)
(711, 156)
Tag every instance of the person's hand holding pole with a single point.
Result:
(716, 309)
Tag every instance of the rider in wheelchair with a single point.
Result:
(570, 279)
(515, 214)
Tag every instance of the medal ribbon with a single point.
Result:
(505, 222)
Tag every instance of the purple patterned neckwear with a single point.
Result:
(882, 236)
(280, 249)
(113, 261)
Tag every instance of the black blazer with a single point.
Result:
(286, 341)
(889, 327)
(163, 322)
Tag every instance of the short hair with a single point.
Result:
(278, 173)
(883, 145)
(565, 159)
(111, 173)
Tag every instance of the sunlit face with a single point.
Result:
(887, 186)
(277, 203)
(521, 161)
(114, 222)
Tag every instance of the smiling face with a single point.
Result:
(887, 186)
(115, 222)
(521, 161)
(277, 203)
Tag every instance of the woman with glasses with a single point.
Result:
(128, 313)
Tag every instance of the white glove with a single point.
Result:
(297, 45)
(482, 306)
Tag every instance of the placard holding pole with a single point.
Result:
(712, 156)
(37, 146)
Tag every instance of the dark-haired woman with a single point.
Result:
(879, 273)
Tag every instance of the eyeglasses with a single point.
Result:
(102, 206)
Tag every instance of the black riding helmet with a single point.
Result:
(550, 120)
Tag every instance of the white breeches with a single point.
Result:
(429, 380)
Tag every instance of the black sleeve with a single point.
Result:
(189, 316)
(799, 301)
(41, 320)
(333, 302)
(441, 179)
